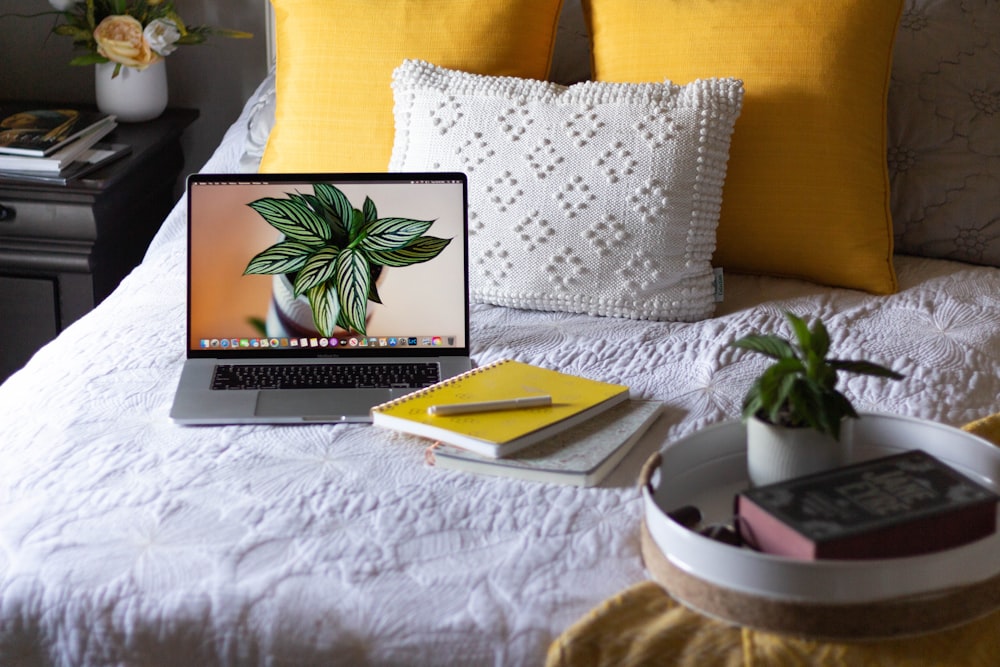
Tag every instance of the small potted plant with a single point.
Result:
(793, 410)
(330, 255)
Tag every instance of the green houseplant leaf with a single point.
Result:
(799, 388)
(333, 253)
(318, 268)
(418, 250)
(391, 233)
(352, 278)
(284, 257)
(338, 204)
(294, 219)
(325, 307)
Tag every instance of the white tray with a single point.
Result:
(707, 468)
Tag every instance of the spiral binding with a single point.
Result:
(440, 385)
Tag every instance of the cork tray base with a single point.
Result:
(824, 600)
(831, 622)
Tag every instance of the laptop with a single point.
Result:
(313, 297)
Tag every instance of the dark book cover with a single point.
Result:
(900, 505)
(40, 132)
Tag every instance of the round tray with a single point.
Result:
(830, 599)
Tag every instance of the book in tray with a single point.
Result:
(899, 505)
(41, 132)
(502, 432)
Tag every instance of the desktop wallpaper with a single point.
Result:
(420, 300)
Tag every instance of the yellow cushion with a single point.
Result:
(807, 191)
(335, 60)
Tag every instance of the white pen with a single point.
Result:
(490, 406)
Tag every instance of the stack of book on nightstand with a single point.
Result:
(54, 144)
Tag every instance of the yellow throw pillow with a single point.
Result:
(335, 60)
(807, 191)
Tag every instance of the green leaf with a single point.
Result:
(318, 268)
(392, 233)
(801, 330)
(66, 30)
(805, 401)
(771, 346)
(325, 308)
(420, 250)
(318, 208)
(371, 213)
(88, 59)
(865, 368)
(258, 324)
(373, 294)
(752, 404)
(356, 227)
(284, 257)
(820, 339)
(338, 203)
(353, 277)
(293, 219)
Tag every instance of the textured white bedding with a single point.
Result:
(125, 539)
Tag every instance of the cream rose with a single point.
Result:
(162, 35)
(119, 39)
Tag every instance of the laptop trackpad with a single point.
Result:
(321, 404)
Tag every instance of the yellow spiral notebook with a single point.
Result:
(503, 432)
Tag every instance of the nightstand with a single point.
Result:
(64, 248)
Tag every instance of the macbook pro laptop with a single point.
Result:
(313, 297)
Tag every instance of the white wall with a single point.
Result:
(216, 77)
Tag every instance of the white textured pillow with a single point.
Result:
(597, 198)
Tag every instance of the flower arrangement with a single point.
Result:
(130, 33)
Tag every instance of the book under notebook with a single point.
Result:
(580, 456)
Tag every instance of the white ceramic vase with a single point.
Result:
(134, 95)
(777, 453)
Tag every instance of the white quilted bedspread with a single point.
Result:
(125, 539)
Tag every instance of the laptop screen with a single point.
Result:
(327, 265)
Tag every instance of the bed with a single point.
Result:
(127, 539)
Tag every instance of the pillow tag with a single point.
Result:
(720, 284)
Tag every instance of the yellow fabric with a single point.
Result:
(644, 626)
(335, 60)
(807, 189)
(987, 428)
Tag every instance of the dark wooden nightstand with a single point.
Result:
(63, 248)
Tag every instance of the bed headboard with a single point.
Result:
(269, 32)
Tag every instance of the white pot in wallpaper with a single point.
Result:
(134, 95)
(291, 316)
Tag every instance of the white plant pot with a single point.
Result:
(288, 315)
(291, 316)
(134, 95)
(777, 453)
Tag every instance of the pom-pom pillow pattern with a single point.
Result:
(594, 198)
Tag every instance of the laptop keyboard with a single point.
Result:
(324, 376)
